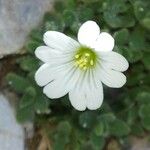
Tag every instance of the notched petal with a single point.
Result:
(105, 42)
(88, 33)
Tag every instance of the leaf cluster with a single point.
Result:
(125, 111)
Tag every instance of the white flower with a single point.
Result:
(80, 68)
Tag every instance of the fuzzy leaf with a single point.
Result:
(29, 63)
(17, 82)
(121, 36)
(119, 128)
(97, 142)
(87, 119)
(144, 111)
(28, 97)
(62, 135)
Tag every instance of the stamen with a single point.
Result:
(77, 56)
(84, 68)
(81, 65)
(87, 54)
(91, 62)
(85, 58)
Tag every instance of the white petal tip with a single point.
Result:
(88, 33)
(95, 106)
(79, 109)
(104, 43)
(127, 66)
(122, 83)
(47, 94)
(48, 32)
(36, 52)
(36, 78)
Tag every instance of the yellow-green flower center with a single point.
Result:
(85, 58)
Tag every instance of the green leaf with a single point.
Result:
(146, 122)
(108, 117)
(137, 39)
(143, 97)
(144, 111)
(71, 4)
(28, 97)
(62, 136)
(102, 128)
(75, 27)
(136, 79)
(119, 128)
(18, 83)
(115, 6)
(87, 119)
(25, 114)
(132, 55)
(97, 142)
(32, 45)
(84, 13)
(59, 6)
(121, 36)
(112, 11)
(137, 129)
(25, 111)
(52, 22)
(132, 115)
(28, 63)
(140, 9)
(99, 129)
(146, 21)
(41, 103)
(146, 60)
(69, 17)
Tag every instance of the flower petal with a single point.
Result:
(63, 84)
(94, 91)
(94, 98)
(111, 78)
(44, 75)
(55, 89)
(94, 94)
(77, 99)
(87, 93)
(54, 66)
(105, 42)
(114, 61)
(60, 41)
(77, 95)
(88, 33)
(49, 71)
(45, 53)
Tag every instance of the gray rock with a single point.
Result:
(17, 18)
(11, 132)
(140, 143)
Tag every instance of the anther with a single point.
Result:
(81, 65)
(77, 56)
(87, 54)
(85, 58)
(92, 62)
(84, 68)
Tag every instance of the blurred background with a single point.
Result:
(31, 121)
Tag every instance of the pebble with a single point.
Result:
(17, 19)
(11, 132)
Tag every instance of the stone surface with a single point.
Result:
(11, 133)
(140, 143)
(17, 18)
